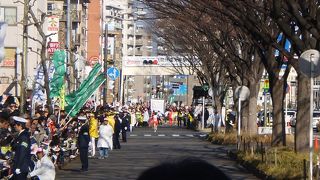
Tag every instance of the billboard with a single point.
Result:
(164, 61)
(53, 28)
(9, 59)
(53, 31)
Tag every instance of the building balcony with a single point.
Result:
(130, 31)
(130, 42)
(136, 53)
(139, 32)
(139, 42)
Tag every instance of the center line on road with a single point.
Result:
(189, 135)
(133, 135)
(175, 135)
(161, 135)
(147, 135)
(202, 135)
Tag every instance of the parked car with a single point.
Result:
(315, 120)
(291, 117)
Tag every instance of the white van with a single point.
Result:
(291, 117)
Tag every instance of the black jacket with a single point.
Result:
(21, 147)
(117, 125)
(125, 122)
(83, 137)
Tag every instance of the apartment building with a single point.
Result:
(78, 28)
(10, 68)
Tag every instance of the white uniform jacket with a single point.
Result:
(105, 136)
(44, 169)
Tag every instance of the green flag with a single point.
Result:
(57, 80)
(75, 107)
(72, 97)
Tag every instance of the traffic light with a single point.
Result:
(266, 85)
(150, 62)
(147, 62)
(110, 84)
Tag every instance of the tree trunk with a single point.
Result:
(278, 124)
(252, 114)
(217, 103)
(46, 79)
(303, 115)
(244, 116)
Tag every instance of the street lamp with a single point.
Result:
(242, 93)
(310, 66)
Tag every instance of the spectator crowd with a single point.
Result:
(34, 144)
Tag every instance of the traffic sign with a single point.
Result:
(309, 63)
(242, 92)
(113, 73)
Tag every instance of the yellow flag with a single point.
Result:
(62, 97)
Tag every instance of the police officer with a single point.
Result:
(125, 125)
(21, 147)
(117, 129)
(83, 142)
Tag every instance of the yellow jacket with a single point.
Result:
(93, 128)
(111, 120)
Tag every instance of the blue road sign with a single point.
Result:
(113, 73)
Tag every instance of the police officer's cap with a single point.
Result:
(19, 119)
(82, 118)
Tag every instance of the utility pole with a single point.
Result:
(105, 63)
(68, 48)
(24, 56)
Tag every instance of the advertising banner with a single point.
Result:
(157, 105)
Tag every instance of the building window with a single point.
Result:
(8, 15)
(4, 80)
(50, 7)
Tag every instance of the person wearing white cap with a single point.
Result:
(21, 147)
(44, 168)
(83, 142)
(105, 142)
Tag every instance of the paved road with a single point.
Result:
(146, 149)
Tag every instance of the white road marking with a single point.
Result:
(175, 135)
(161, 135)
(202, 135)
(189, 135)
(147, 135)
(133, 135)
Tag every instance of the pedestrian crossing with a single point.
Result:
(168, 135)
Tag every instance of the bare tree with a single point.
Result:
(299, 21)
(217, 45)
(38, 23)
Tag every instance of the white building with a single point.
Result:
(10, 68)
